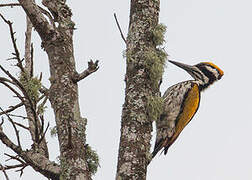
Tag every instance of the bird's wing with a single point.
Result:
(181, 103)
(189, 108)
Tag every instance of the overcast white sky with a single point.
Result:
(216, 145)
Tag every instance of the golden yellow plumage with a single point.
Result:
(191, 104)
(181, 102)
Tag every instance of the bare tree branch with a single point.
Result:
(43, 134)
(22, 170)
(28, 33)
(6, 80)
(22, 126)
(14, 126)
(18, 116)
(40, 23)
(2, 122)
(13, 39)
(11, 108)
(40, 107)
(31, 72)
(8, 167)
(3, 169)
(92, 67)
(21, 87)
(10, 5)
(37, 161)
(17, 158)
(13, 90)
(33, 122)
(118, 25)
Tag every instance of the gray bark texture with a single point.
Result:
(136, 125)
(57, 41)
(145, 64)
(63, 93)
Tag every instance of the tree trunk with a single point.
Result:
(141, 86)
(64, 99)
(63, 93)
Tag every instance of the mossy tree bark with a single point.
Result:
(63, 93)
(145, 63)
(145, 66)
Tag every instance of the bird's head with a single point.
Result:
(205, 73)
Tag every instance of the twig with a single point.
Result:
(42, 124)
(26, 96)
(42, 104)
(12, 108)
(13, 90)
(118, 25)
(10, 5)
(17, 83)
(7, 80)
(31, 72)
(3, 169)
(22, 166)
(19, 116)
(15, 158)
(34, 159)
(92, 67)
(2, 122)
(22, 170)
(13, 39)
(43, 135)
(14, 126)
(22, 126)
(7, 167)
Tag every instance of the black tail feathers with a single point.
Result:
(158, 147)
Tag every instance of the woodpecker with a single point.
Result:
(181, 102)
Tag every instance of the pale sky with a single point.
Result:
(216, 145)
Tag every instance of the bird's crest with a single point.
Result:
(215, 66)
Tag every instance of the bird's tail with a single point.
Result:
(158, 147)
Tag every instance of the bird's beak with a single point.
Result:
(186, 67)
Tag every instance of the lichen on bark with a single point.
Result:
(57, 41)
(31, 85)
(145, 66)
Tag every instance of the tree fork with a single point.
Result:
(63, 93)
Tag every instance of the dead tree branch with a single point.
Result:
(13, 39)
(31, 72)
(11, 108)
(118, 25)
(10, 5)
(20, 86)
(17, 158)
(43, 133)
(22, 164)
(39, 22)
(18, 116)
(3, 169)
(14, 127)
(28, 54)
(92, 67)
(37, 161)
(12, 89)
(22, 126)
